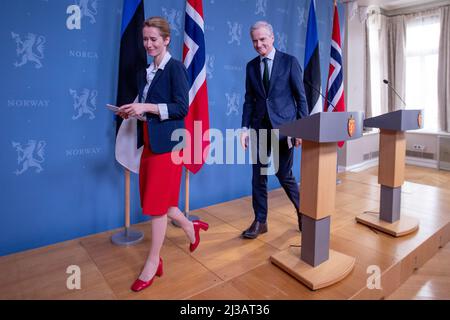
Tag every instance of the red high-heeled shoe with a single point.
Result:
(139, 285)
(197, 226)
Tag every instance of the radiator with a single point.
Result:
(444, 152)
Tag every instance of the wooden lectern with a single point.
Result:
(314, 264)
(391, 171)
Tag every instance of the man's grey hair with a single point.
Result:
(261, 24)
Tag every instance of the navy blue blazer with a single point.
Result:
(285, 101)
(169, 86)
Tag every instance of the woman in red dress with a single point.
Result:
(164, 100)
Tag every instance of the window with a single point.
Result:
(421, 62)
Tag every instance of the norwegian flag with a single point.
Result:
(197, 119)
(335, 84)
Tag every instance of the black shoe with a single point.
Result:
(254, 230)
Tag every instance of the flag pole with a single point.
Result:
(132, 57)
(338, 181)
(198, 95)
(128, 236)
(186, 200)
(186, 196)
(127, 200)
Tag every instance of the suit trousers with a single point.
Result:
(284, 175)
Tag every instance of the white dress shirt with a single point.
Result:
(270, 58)
(151, 72)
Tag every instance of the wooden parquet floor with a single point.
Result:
(228, 267)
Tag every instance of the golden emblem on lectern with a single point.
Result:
(419, 119)
(351, 126)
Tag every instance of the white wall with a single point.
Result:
(429, 141)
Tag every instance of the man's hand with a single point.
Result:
(244, 139)
(298, 142)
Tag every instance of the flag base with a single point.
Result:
(127, 237)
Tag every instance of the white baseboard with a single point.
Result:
(427, 163)
(422, 162)
(359, 166)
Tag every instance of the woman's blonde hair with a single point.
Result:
(161, 24)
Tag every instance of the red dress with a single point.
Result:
(159, 180)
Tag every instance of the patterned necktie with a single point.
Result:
(266, 75)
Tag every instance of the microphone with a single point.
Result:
(318, 91)
(389, 85)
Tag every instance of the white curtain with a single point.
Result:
(367, 73)
(421, 55)
(376, 64)
(387, 40)
(395, 43)
(444, 71)
(404, 50)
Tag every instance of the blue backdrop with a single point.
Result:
(58, 173)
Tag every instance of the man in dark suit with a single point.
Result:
(274, 96)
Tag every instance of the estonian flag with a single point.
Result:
(132, 59)
(312, 78)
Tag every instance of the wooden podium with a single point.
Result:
(314, 264)
(391, 171)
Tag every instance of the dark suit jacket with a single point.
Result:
(169, 86)
(285, 101)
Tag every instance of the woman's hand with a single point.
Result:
(123, 115)
(135, 109)
(132, 109)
